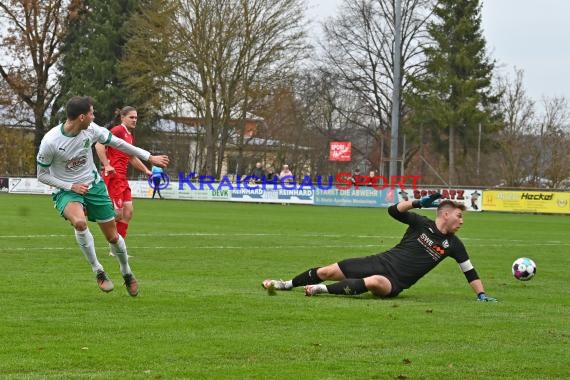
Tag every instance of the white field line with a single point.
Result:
(308, 235)
(174, 234)
(135, 248)
(475, 242)
(341, 245)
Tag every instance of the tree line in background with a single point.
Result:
(226, 62)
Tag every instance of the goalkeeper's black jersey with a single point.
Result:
(422, 247)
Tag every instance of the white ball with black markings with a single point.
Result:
(524, 269)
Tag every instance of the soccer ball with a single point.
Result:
(524, 269)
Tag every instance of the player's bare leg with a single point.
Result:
(378, 285)
(75, 214)
(122, 218)
(119, 249)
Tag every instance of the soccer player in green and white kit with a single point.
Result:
(65, 161)
(425, 244)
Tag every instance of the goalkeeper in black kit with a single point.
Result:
(424, 245)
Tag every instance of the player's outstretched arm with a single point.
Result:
(478, 288)
(139, 165)
(161, 160)
(131, 150)
(404, 206)
(429, 201)
(127, 148)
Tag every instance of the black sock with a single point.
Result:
(307, 278)
(350, 286)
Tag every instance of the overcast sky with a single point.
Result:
(532, 35)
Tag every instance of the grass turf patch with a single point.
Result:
(202, 313)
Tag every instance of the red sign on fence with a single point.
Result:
(340, 151)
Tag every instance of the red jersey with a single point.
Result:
(118, 159)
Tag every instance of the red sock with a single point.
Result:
(122, 229)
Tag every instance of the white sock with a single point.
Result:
(119, 249)
(87, 246)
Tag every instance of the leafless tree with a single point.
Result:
(553, 161)
(219, 53)
(321, 101)
(519, 117)
(32, 32)
(359, 56)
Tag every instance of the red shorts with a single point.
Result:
(119, 190)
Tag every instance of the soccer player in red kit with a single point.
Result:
(115, 167)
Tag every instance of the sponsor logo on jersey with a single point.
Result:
(437, 249)
(76, 162)
(433, 249)
(425, 240)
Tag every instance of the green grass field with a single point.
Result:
(202, 314)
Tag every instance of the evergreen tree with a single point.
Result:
(147, 62)
(93, 50)
(455, 96)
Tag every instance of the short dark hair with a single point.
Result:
(78, 105)
(450, 203)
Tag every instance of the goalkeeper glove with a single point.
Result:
(428, 201)
(482, 297)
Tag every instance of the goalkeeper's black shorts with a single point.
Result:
(361, 267)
